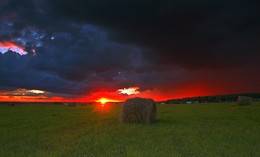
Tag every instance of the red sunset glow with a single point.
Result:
(105, 100)
(102, 97)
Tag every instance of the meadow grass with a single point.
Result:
(203, 130)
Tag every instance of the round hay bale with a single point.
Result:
(138, 110)
(11, 104)
(244, 100)
(72, 104)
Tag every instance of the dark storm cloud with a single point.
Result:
(71, 57)
(68, 62)
(82, 46)
(177, 32)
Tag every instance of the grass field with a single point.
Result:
(201, 130)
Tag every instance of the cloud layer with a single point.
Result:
(166, 48)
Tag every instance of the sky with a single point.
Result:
(83, 50)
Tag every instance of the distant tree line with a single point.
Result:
(212, 99)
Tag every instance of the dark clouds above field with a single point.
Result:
(172, 48)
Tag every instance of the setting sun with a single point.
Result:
(105, 100)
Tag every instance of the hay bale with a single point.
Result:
(138, 110)
(11, 104)
(72, 104)
(244, 100)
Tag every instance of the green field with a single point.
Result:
(200, 130)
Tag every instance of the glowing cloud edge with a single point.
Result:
(129, 91)
(6, 46)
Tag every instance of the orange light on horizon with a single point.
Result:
(102, 105)
(105, 100)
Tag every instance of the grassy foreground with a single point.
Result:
(203, 130)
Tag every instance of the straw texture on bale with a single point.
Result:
(244, 100)
(138, 110)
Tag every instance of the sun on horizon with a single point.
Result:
(105, 100)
